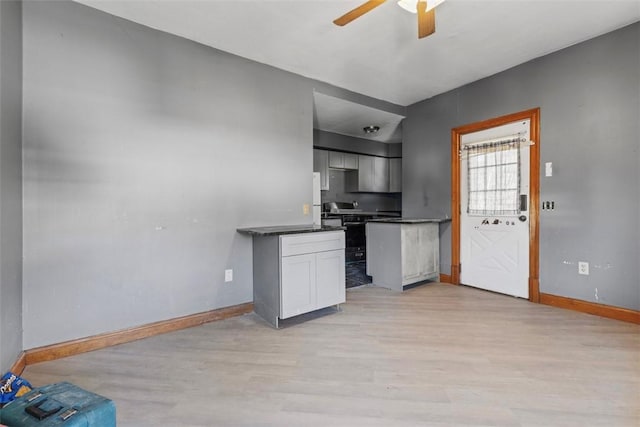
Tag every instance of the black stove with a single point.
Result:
(354, 220)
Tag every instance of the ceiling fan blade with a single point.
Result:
(426, 20)
(358, 12)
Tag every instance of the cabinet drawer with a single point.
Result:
(298, 244)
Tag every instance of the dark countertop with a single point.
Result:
(408, 220)
(277, 230)
(360, 213)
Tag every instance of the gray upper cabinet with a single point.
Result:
(372, 175)
(338, 160)
(365, 174)
(351, 161)
(321, 164)
(381, 174)
(395, 175)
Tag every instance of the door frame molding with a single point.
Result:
(534, 192)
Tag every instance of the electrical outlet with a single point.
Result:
(228, 275)
(583, 268)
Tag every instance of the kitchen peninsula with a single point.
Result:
(403, 251)
(296, 269)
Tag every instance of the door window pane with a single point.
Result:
(493, 179)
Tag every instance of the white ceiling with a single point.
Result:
(379, 54)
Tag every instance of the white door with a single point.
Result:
(494, 230)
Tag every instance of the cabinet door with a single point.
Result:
(330, 278)
(297, 285)
(336, 160)
(347, 161)
(381, 175)
(395, 175)
(366, 173)
(321, 164)
(372, 175)
(351, 161)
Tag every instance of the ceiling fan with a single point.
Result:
(426, 13)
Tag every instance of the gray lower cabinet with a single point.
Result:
(372, 175)
(309, 274)
(401, 254)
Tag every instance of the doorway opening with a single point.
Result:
(490, 224)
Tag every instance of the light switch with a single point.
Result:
(305, 209)
(548, 169)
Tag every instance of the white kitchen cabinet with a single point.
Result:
(311, 281)
(372, 175)
(321, 165)
(395, 175)
(403, 252)
(312, 272)
(339, 160)
(297, 273)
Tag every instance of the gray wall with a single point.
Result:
(589, 98)
(335, 141)
(143, 152)
(10, 182)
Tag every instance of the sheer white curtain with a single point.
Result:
(493, 177)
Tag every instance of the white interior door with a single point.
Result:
(494, 237)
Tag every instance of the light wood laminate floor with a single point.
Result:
(435, 355)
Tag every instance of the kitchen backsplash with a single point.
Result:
(366, 201)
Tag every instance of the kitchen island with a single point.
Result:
(297, 269)
(403, 251)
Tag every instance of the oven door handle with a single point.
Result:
(354, 223)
